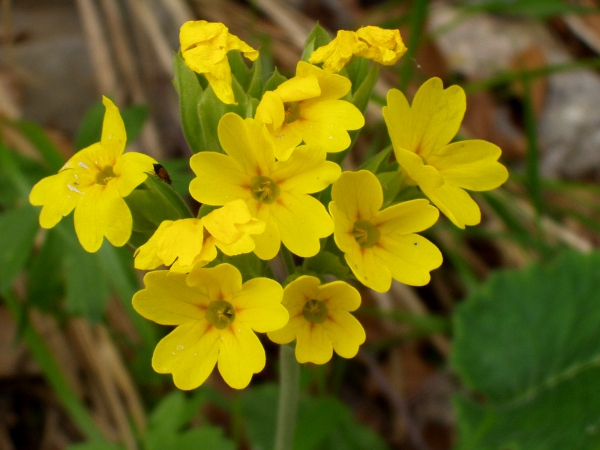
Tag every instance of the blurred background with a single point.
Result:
(74, 356)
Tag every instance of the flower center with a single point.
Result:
(220, 314)
(365, 233)
(105, 175)
(315, 311)
(264, 189)
(292, 111)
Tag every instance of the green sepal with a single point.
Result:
(318, 37)
(373, 164)
(254, 90)
(274, 81)
(391, 182)
(357, 72)
(206, 209)
(239, 69)
(150, 203)
(188, 87)
(211, 109)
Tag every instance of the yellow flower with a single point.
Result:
(382, 46)
(307, 108)
(184, 243)
(216, 316)
(275, 192)
(381, 245)
(94, 182)
(320, 320)
(204, 47)
(421, 134)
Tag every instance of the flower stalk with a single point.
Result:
(288, 398)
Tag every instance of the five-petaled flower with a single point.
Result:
(308, 108)
(204, 47)
(94, 182)
(421, 134)
(320, 320)
(216, 317)
(276, 192)
(380, 45)
(381, 245)
(184, 243)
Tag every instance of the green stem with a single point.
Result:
(288, 398)
(418, 17)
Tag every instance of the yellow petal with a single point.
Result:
(146, 256)
(337, 113)
(332, 86)
(338, 52)
(289, 332)
(455, 203)
(298, 88)
(189, 352)
(413, 166)
(235, 43)
(406, 217)
(220, 81)
(339, 295)
(409, 258)
(132, 169)
(245, 141)
(346, 333)
(113, 130)
(182, 240)
(222, 282)
(168, 300)
(385, 46)
(357, 195)
(343, 227)
(259, 306)
(267, 244)
(302, 220)
(241, 355)
(313, 344)
(102, 212)
(209, 38)
(270, 110)
(219, 179)
(285, 139)
(368, 269)
(470, 165)
(306, 171)
(222, 223)
(58, 194)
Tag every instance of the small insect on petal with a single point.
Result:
(162, 173)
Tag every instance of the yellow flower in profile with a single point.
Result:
(421, 134)
(308, 108)
(380, 45)
(216, 317)
(381, 245)
(204, 47)
(94, 182)
(276, 192)
(320, 320)
(184, 243)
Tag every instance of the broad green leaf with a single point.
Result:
(527, 343)
(327, 263)
(318, 37)
(18, 228)
(45, 284)
(95, 446)
(206, 438)
(189, 90)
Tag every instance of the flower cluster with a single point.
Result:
(269, 189)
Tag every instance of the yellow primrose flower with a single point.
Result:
(421, 134)
(276, 192)
(381, 245)
(216, 317)
(94, 182)
(307, 108)
(380, 45)
(204, 47)
(320, 320)
(184, 243)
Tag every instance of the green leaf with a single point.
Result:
(18, 228)
(254, 90)
(206, 438)
(274, 81)
(327, 263)
(134, 118)
(87, 288)
(249, 265)
(372, 165)
(318, 37)
(45, 279)
(527, 341)
(357, 71)
(95, 446)
(390, 183)
(362, 93)
(38, 137)
(190, 92)
(239, 69)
